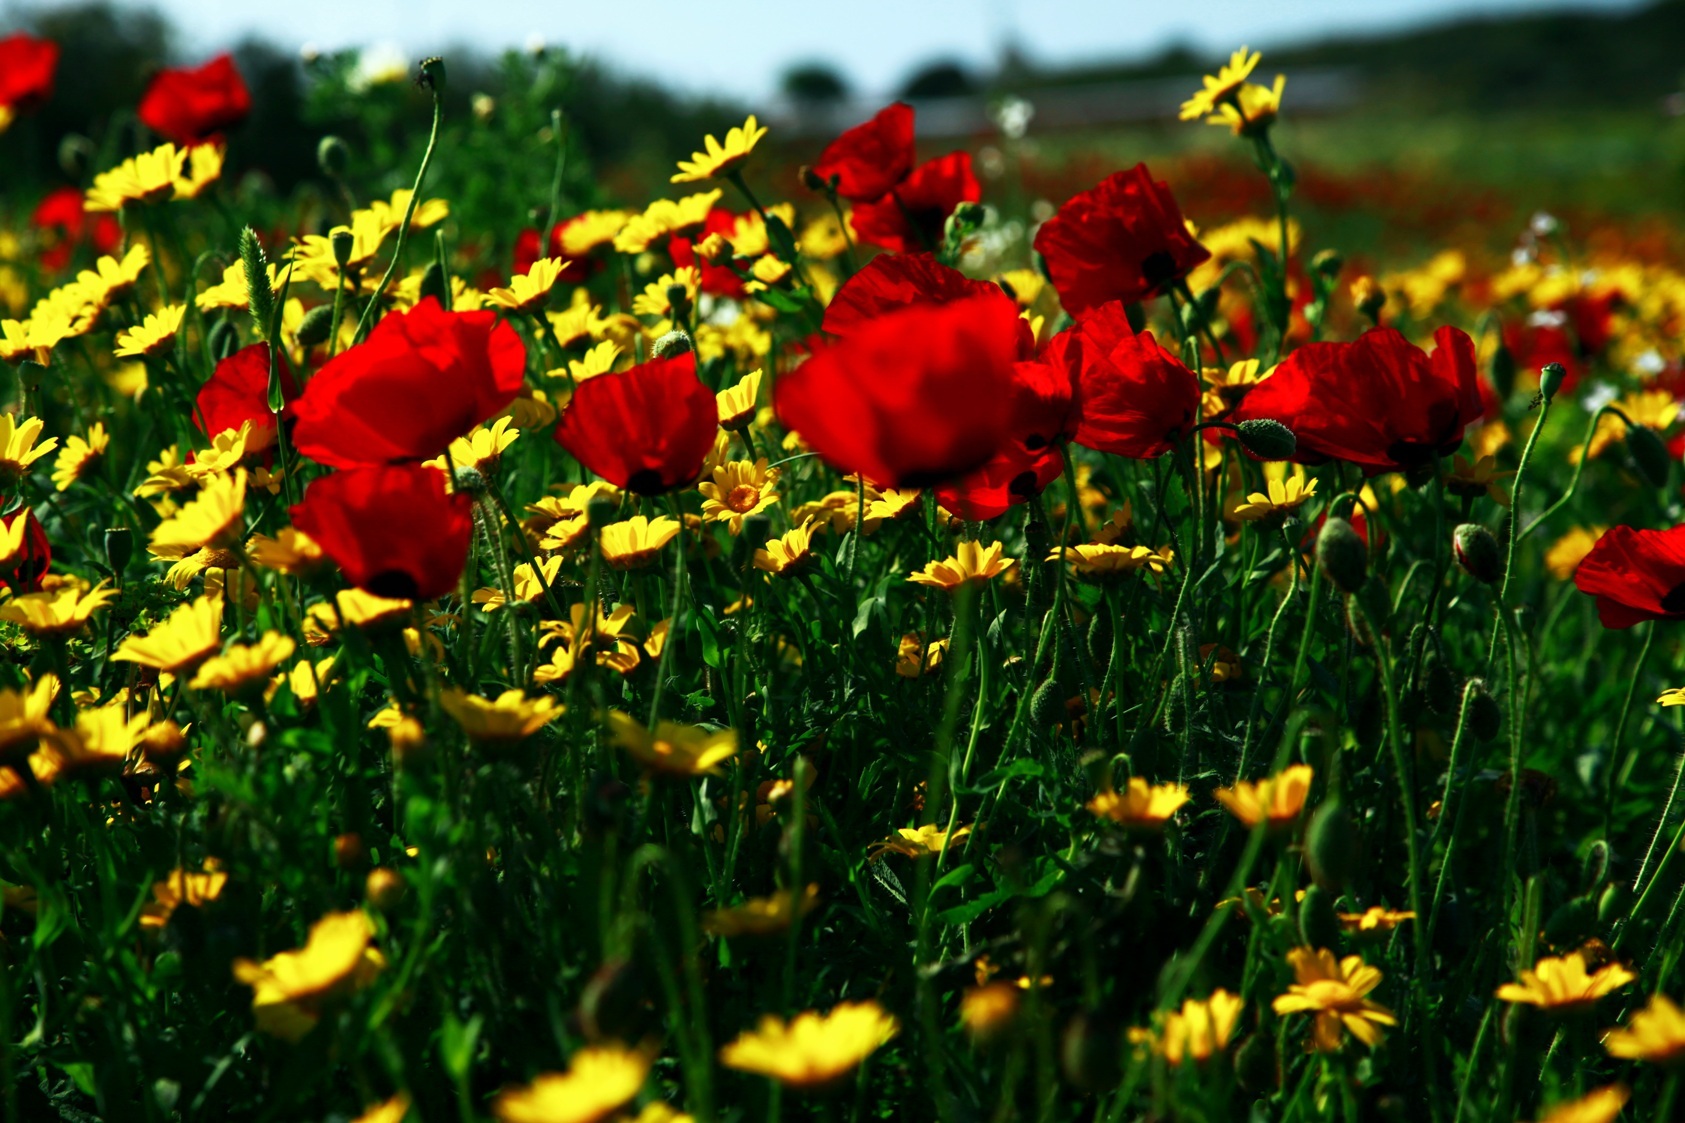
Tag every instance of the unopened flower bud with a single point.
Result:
(1318, 926)
(1267, 439)
(1478, 553)
(1368, 296)
(1257, 1068)
(1328, 263)
(1484, 717)
(970, 214)
(1342, 554)
(333, 156)
(341, 241)
(1649, 454)
(384, 888)
(1612, 905)
(1503, 371)
(314, 328)
(671, 345)
(812, 180)
(1551, 377)
(1330, 848)
(119, 548)
(76, 155)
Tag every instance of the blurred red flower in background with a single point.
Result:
(421, 379)
(1636, 575)
(238, 391)
(910, 217)
(890, 282)
(910, 399)
(647, 429)
(869, 160)
(62, 211)
(27, 65)
(190, 106)
(24, 572)
(1123, 239)
(1380, 402)
(393, 529)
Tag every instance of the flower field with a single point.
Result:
(837, 636)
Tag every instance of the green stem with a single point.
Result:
(366, 320)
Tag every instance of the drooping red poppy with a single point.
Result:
(1636, 575)
(1032, 456)
(912, 399)
(61, 212)
(647, 429)
(1381, 402)
(869, 160)
(26, 570)
(190, 106)
(420, 380)
(910, 217)
(1132, 397)
(393, 528)
(1122, 239)
(238, 391)
(27, 65)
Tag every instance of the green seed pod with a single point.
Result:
(1594, 871)
(340, 240)
(1331, 845)
(317, 323)
(1047, 704)
(671, 345)
(1478, 553)
(1551, 377)
(224, 340)
(257, 281)
(1318, 925)
(1342, 554)
(119, 548)
(1328, 263)
(1267, 439)
(1100, 635)
(432, 76)
(1649, 454)
(1257, 1068)
(333, 156)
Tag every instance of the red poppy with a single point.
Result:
(1381, 402)
(647, 429)
(393, 528)
(1129, 395)
(26, 71)
(869, 160)
(891, 282)
(910, 217)
(716, 279)
(26, 570)
(1032, 456)
(193, 106)
(1123, 239)
(1636, 575)
(62, 211)
(238, 391)
(913, 398)
(421, 379)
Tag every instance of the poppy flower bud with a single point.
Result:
(672, 345)
(1612, 905)
(341, 241)
(257, 281)
(1317, 924)
(333, 156)
(76, 155)
(119, 548)
(1331, 844)
(1368, 297)
(1571, 923)
(1267, 439)
(1648, 454)
(1551, 377)
(432, 76)
(1595, 869)
(1485, 718)
(384, 888)
(314, 329)
(1328, 263)
(812, 180)
(1478, 553)
(1342, 554)
(1438, 684)
(1257, 1068)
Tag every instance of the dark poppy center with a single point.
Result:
(394, 584)
(645, 481)
(1159, 268)
(1023, 485)
(1411, 454)
(1674, 602)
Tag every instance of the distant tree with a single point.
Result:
(814, 84)
(945, 78)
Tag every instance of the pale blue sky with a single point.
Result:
(740, 46)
